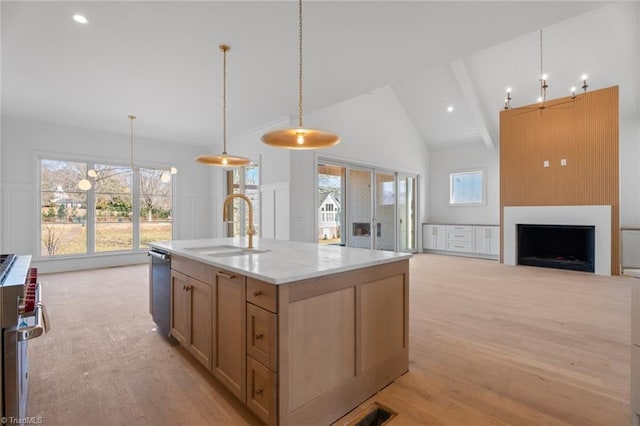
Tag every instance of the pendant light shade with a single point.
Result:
(224, 159)
(300, 138)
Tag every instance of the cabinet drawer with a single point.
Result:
(261, 336)
(456, 228)
(262, 294)
(459, 246)
(459, 235)
(261, 391)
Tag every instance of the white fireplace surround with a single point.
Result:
(598, 216)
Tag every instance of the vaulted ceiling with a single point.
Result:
(160, 61)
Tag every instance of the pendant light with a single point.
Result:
(300, 138)
(224, 159)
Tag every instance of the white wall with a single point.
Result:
(24, 141)
(375, 130)
(446, 160)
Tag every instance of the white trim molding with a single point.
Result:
(598, 216)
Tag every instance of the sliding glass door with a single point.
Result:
(407, 217)
(366, 208)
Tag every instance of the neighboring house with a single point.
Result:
(328, 216)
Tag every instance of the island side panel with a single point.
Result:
(323, 388)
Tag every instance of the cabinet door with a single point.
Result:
(429, 238)
(229, 361)
(201, 297)
(180, 308)
(480, 240)
(494, 240)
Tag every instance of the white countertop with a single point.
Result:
(284, 261)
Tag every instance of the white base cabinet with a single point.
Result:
(433, 237)
(467, 240)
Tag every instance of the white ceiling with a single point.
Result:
(160, 61)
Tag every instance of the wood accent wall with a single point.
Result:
(583, 131)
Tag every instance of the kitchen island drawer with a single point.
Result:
(262, 294)
(261, 336)
(261, 391)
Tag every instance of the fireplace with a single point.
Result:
(597, 216)
(557, 246)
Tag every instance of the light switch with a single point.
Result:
(546, 163)
(563, 162)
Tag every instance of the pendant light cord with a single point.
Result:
(224, 98)
(300, 63)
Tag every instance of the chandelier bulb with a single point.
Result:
(174, 170)
(300, 138)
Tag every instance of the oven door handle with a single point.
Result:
(41, 323)
(41, 326)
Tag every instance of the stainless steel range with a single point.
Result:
(22, 317)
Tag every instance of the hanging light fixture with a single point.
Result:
(544, 86)
(85, 184)
(224, 159)
(300, 138)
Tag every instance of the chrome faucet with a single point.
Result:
(225, 215)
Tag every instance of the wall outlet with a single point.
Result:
(546, 163)
(563, 162)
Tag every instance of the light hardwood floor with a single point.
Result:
(489, 344)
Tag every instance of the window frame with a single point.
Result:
(91, 201)
(454, 173)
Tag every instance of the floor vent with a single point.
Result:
(375, 415)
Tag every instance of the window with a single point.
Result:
(244, 180)
(76, 222)
(467, 187)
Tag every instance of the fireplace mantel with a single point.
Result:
(598, 216)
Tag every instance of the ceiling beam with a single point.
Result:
(473, 102)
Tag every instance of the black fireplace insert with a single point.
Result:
(557, 246)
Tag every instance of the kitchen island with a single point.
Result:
(301, 333)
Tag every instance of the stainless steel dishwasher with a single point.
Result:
(160, 289)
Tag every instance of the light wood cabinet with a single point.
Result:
(229, 332)
(180, 307)
(298, 353)
(191, 310)
(261, 391)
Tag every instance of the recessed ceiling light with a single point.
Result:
(80, 19)
(449, 108)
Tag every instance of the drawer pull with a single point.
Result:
(222, 274)
(258, 391)
(257, 293)
(187, 287)
(259, 336)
